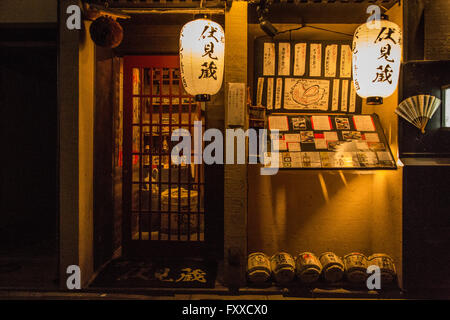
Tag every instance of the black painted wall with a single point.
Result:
(426, 189)
(426, 231)
(424, 77)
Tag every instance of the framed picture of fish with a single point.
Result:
(304, 76)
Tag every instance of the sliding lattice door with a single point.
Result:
(163, 201)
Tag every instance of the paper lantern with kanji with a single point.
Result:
(376, 60)
(202, 51)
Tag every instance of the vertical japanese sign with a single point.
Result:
(352, 100)
(284, 58)
(346, 61)
(331, 52)
(259, 92)
(335, 97)
(278, 93)
(236, 104)
(299, 59)
(344, 96)
(269, 103)
(315, 60)
(269, 59)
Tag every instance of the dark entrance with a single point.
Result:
(28, 206)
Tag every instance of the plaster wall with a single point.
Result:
(28, 11)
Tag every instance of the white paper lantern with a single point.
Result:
(202, 51)
(377, 49)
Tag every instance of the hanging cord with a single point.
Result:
(305, 26)
(313, 27)
(290, 30)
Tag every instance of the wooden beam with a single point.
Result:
(352, 11)
(413, 30)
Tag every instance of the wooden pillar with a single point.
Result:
(235, 175)
(75, 110)
(68, 143)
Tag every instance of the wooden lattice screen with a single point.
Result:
(163, 201)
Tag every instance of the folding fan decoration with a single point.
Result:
(418, 110)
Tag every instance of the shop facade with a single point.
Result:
(121, 197)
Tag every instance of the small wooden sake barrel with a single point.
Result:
(283, 267)
(258, 267)
(386, 265)
(355, 267)
(308, 267)
(333, 267)
(184, 221)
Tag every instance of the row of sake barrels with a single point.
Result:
(308, 267)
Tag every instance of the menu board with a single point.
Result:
(329, 141)
(305, 76)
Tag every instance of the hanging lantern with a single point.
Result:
(202, 51)
(376, 59)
